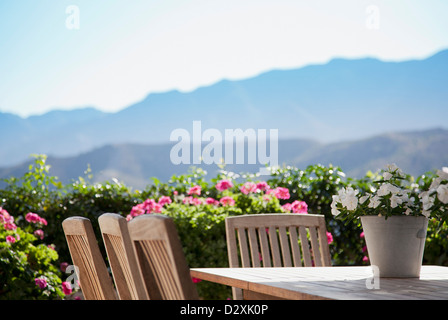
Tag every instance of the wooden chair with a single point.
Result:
(122, 259)
(162, 262)
(276, 240)
(93, 276)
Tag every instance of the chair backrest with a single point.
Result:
(161, 258)
(92, 273)
(122, 259)
(277, 240)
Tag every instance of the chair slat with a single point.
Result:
(315, 247)
(273, 239)
(297, 259)
(284, 245)
(265, 252)
(254, 249)
(242, 239)
(305, 247)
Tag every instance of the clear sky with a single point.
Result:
(111, 53)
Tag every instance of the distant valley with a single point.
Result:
(415, 152)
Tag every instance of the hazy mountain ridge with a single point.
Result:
(135, 164)
(340, 100)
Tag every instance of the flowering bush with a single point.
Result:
(26, 265)
(394, 193)
(199, 209)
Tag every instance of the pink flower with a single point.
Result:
(32, 217)
(227, 201)
(287, 207)
(329, 237)
(361, 235)
(266, 197)
(149, 204)
(224, 185)
(195, 280)
(248, 187)
(10, 226)
(299, 207)
(66, 288)
(39, 233)
(281, 193)
(196, 201)
(164, 200)
(41, 282)
(195, 190)
(188, 200)
(212, 201)
(137, 210)
(365, 259)
(262, 186)
(63, 266)
(157, 208)
(5, 217)
(42, 221)
(10, 239)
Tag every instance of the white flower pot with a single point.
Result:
(395, 245)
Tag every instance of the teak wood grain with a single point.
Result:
(276, 240)
(161, 258)
(122, 259)
(93, 276)
(334, 283)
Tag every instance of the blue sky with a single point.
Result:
(123, 50)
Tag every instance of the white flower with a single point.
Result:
(393, 168)
(443, 174)
(442, 193)
(334, 203)
(334, 209)
(435, 183)
(427, 201)
(387, 176)
(348, 198)
(363, 199)
(387, 188)
(351, 203)
(426, 213)
(408, 211)
(374, 202)
(395, 201)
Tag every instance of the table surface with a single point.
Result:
(338, 282)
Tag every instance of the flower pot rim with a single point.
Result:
(393, 217)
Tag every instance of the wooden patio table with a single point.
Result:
(334, 283)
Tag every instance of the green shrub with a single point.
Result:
(198, 205)
(27, 269)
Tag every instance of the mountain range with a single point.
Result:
(342, 100)
(135, 164)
